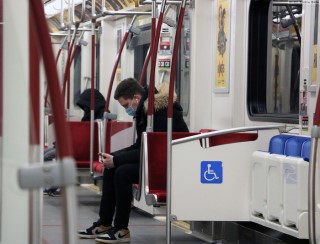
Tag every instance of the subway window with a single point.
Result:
(274, 61)
(183, 66)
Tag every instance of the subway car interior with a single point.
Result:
(244, 77)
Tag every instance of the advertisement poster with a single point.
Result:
(119, 40)
(315, 65)
(221, 46)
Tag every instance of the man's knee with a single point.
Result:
(126, 173)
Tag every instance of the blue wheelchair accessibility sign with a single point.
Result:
(211, 172)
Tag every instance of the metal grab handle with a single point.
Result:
(281, 128)
(170, 116)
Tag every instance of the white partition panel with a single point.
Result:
(259, 184)
(15, 219)
(295, 195)
(275, 189)
(214, 183)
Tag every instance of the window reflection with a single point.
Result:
(284, 86)
(274, 61)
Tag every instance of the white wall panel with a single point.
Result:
(14, 201)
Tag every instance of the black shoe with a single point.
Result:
(55, 193)
(93, 231)
(46, 191)
(115, 235)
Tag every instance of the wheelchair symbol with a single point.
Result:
(209, 174)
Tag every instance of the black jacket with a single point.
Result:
(131, 154)
(84, 102)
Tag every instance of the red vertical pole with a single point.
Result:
(1, 67)
(173, 70)
(93, 58)
(63, 138)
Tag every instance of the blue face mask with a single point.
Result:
(131, 111)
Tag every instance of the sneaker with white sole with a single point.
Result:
(115, 235)
(93, 231)
(55, 192)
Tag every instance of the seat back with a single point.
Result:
(228, 138)
(119, 134)
(156, 163)
(80, 138)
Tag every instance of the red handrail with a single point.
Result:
(316, 118)
(145, 67)
(154, 55)
(173, 70)
(151, 81)
(93, 57)
(1, 70)
(123, 42)
(66, 80)
(47, 91)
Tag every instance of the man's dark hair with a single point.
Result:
(127, 89)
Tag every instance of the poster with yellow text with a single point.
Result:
(315, 65)
(221, 46)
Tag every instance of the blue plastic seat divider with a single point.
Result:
(278, 144)
(294, 146)
(288, 145)
(305, 152)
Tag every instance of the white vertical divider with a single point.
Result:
(15, 202)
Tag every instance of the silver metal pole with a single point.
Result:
(281, 128)
(69, 13)
(79, 29)
(169, 168)
(103, 3)
(91, 138)
(125, 13)
(83, 10)
(149, 123)
(154, 9)
(70, 213)
(73, 15)
(163, 6)
(93, 6)
(104, 131)
(159, 2)
(35, 205)
(61, 16)
(311, 188)
(170, 217)
(150, 117)
(288, 3)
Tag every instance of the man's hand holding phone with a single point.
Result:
(107, 160)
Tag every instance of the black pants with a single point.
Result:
(117, 194)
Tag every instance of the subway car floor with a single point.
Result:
(145, 229)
